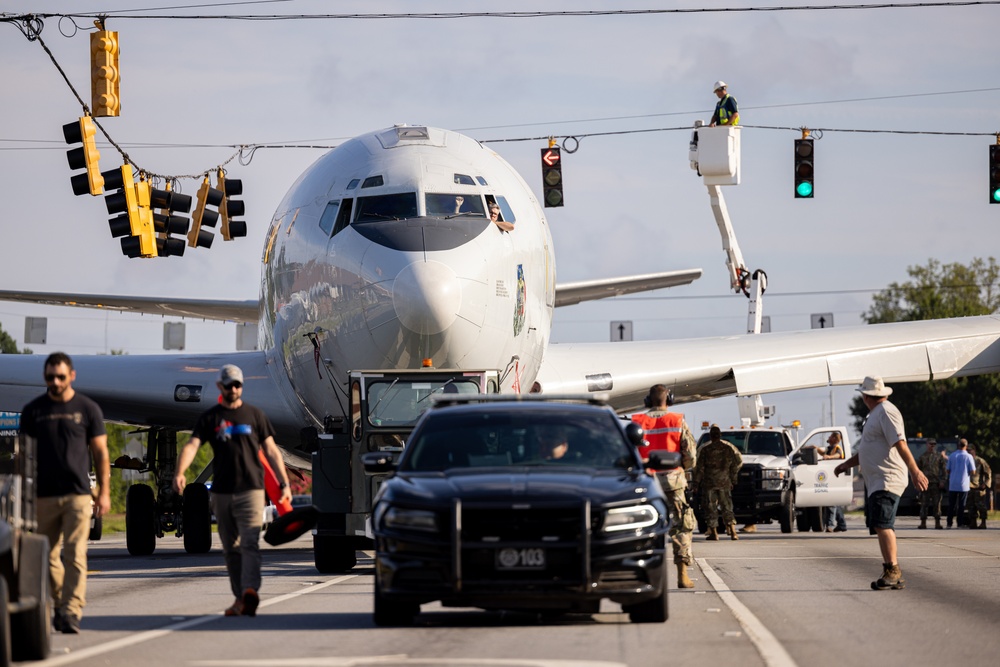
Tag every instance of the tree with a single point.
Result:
(8, 345)
(968, 407)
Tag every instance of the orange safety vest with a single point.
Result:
(663, 432)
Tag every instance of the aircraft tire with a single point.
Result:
(96, 530)
(140, 520)
(33, 626)
(333, 554)
(4, 625)
(197, 519)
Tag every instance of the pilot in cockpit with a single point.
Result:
(495, 218)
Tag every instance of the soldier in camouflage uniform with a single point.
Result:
(674, 482)
(715, 475)
(980, 482)
(932, 464)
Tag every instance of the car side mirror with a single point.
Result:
(663, 460)
(378, 462)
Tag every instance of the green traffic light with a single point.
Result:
(996, 196)
(805, 189)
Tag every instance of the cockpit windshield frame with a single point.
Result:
(451, 204)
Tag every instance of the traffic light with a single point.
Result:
(143, 243)
(552, 181)
(105, 80)
(85, 157)
(231, 208)
(166, 222)
(995, 174)
(124, 203)
(804, 169)
(204, 216)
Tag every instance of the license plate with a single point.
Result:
(520, 559)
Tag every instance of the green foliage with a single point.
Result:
(966, 407)
(8, 345)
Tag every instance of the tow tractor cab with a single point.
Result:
(781, 479)
(384, 407)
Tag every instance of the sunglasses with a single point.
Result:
(50, 377)
(233, 385)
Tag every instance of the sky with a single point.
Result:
(881, 85)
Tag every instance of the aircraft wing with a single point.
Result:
(762, 363)
(166, 390)
(205, 309)
(568, 294)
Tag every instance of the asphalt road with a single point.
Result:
(768, 599)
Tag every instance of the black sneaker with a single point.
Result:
(70, 625)
(57, 621)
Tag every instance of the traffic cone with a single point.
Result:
(291, 523)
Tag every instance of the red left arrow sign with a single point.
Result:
(550, 157)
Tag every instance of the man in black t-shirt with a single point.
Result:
(237, 431)
(69, 430)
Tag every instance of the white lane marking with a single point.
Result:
(403, 659)
(149, 635)
(770, 649)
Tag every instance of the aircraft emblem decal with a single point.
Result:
(519, 306)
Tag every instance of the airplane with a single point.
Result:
(382, 255)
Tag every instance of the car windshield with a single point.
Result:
(509, 438)
(770, 443)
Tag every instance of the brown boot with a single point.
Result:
(937, 523)
(892, 578)
(683, 580)
(732, 531)
(713, 535)
(923, 523)
(749, 528)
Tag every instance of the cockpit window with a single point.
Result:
(443, 205)
(373, 182)
(462, 179)
(505, 209)
(387, 207)
(329, 217)
(482, 181)
(353, 184)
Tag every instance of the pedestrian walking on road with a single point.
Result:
(237, 431)
(885, 460)
(980, 484)
(69, 430)
(932, 464)
(960, 467)
(715, 475)
(668, 431)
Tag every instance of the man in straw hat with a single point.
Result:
(884, 459)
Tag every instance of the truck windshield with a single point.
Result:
(770, 443)
(395, 402)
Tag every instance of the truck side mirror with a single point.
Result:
(808, 456)
(663, 460)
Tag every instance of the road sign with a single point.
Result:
(621, 331)
(822, 320)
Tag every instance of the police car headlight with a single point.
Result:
(635, 517)
(401, 518)
(773, 479)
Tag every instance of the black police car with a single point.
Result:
(520, 502)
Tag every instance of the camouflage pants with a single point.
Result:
(717, 500)
(978, 505)
(682, 526)
(930, 502)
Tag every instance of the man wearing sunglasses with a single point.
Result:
(237, 431)
(69, 430)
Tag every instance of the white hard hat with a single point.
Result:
(718, 84)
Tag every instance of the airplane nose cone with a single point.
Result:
(427, 297)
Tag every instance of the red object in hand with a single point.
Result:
(291, 523)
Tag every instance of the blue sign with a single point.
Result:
(10, 423)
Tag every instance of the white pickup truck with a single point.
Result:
(784, 481)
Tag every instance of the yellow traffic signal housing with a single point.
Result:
(145, 231)
(231, 208)
(202, 216)
(84, 157)
(105, 79)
